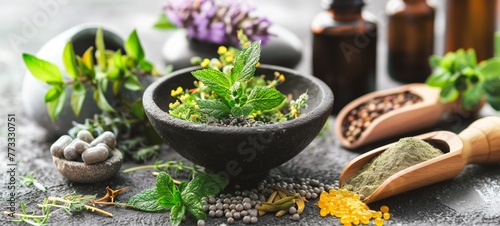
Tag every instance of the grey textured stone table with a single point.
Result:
(473, 198)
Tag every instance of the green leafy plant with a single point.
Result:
(29, 180)
(115, 67)
(179, 199)
(459, 75)
(228, 87)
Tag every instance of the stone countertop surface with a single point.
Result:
(472, 198)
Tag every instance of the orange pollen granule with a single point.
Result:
(348, 207)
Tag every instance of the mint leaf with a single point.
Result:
(245, 62)
(77, 97)
(146, 201)
(69, 60)
(101, 50)
(472, 96)
(448, 93)
(494, 101)
(205, 185)
(43, 70)
(434, 60)
(492, 87)
(438, 78)
(215, 80)
(490, 69)
(214, 108)
(166, 187)
(177, 213)
(133, 46)
(241, 111)
(471, 58)
(194, 206)
(265, 98)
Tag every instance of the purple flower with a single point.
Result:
(218, 21)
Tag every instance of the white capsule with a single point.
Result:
(110, 151)
(80, 146)
(70, 153)
(107, 137)
(95, 155)
(85, 135)
(57, 148)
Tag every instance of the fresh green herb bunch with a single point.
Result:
(116, 67)
(228, 87)
(181, 198)
(459, 75)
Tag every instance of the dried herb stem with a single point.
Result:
(23, 215)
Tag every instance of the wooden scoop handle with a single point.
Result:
(481, 141)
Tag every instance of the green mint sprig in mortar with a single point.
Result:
(228, 87)
(459, 75)
(116, 67)
(179, 199)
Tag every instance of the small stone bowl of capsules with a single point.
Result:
(85, 159)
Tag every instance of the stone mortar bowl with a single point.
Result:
(89, 173)
(240, 153)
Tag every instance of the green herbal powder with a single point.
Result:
(405, 153)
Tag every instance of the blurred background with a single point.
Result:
(27, 24)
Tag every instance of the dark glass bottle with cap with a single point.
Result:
(471, 24)
(344, 50)
(410, 39)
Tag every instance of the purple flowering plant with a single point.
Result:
(215, 21)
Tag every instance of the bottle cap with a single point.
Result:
(342, 4)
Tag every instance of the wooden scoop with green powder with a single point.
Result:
(410, 163)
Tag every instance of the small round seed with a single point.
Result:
(292, 210)
(219, 213)
(57, 148)
(236, 215)
(295, 217)
(200, 223)
(253, 220)
(239, 207)
(95, 155)
(246, 220)
(230, 220)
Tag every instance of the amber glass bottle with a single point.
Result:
(410, 39)
(471, 24)
(344, 50)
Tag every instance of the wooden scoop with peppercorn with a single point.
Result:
(477, 144)
(387, 113)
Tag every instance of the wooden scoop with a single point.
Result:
(408, 118)
(479, 143)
